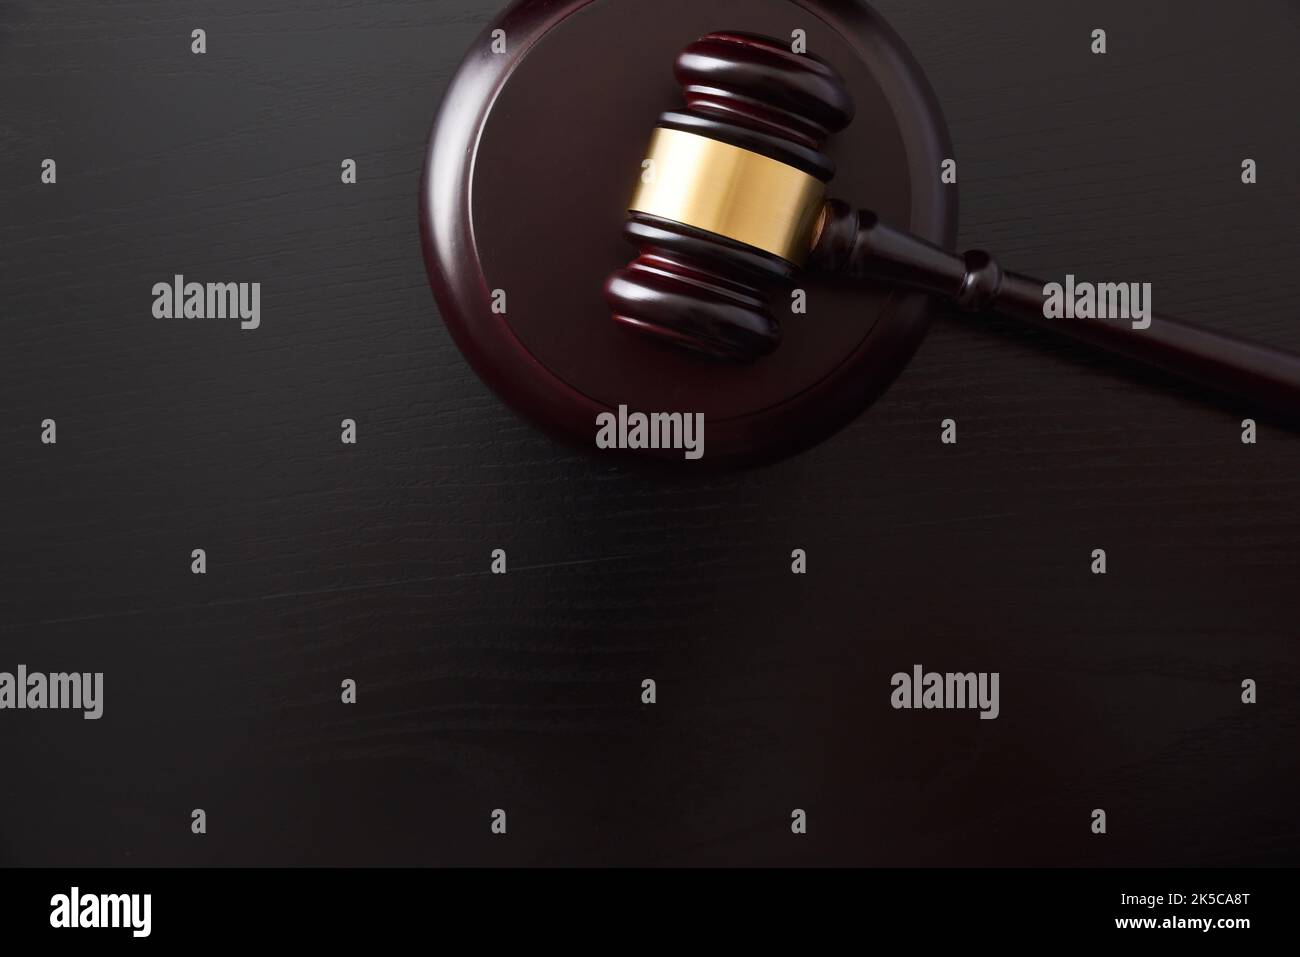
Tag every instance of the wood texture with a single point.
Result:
(522, 692)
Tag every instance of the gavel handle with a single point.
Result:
(859, 244)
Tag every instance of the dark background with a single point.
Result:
(523, 692)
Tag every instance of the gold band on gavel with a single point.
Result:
(731, 192)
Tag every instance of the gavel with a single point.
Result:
(731, 205)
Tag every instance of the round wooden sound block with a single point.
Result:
(533, 158)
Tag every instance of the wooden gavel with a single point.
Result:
(732, 203)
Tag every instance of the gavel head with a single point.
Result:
(731, 195)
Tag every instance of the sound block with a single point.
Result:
(533, 157)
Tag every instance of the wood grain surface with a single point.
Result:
(522, 692)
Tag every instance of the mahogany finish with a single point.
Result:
(701, 291)
(535, 153)
(710, 295)
(753, 92)
(859, 244)
(697, 290)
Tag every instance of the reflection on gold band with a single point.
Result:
(730, 191)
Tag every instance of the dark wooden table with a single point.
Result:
(522, 692)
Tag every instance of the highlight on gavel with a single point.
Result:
(732, 204)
